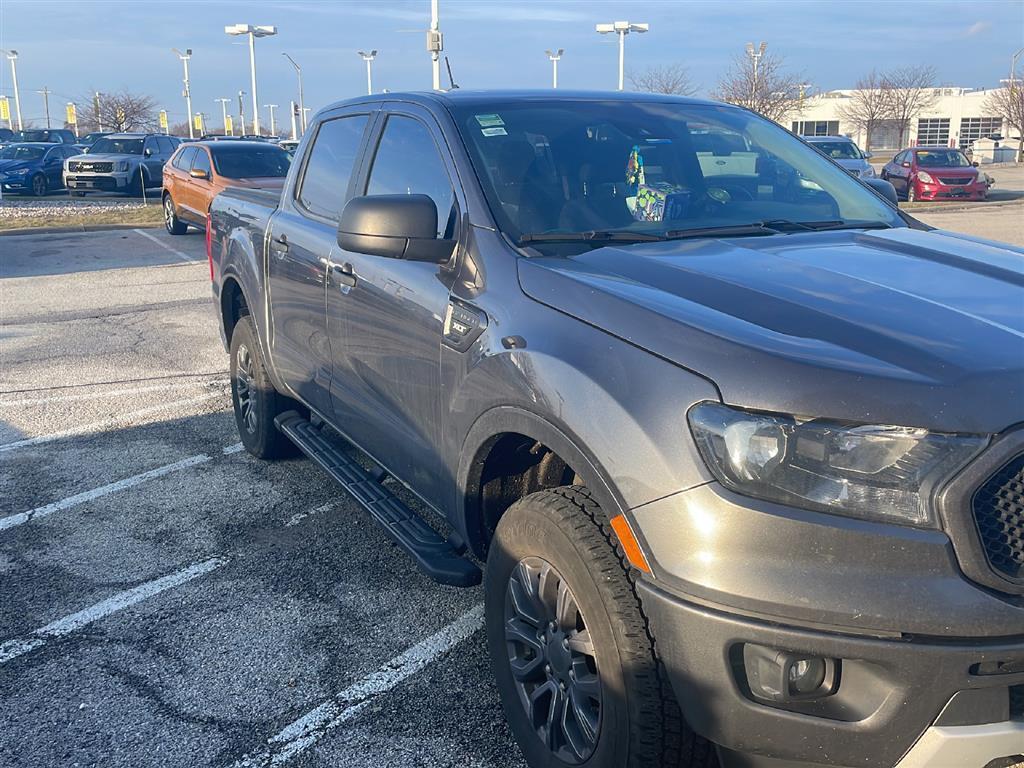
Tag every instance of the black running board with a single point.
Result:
(435, 556)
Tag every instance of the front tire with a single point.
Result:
(256, 402)
(174, 225)
(39, 187)
(576, 669)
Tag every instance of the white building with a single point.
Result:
(957, 118)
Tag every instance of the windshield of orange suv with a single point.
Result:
(598, 170)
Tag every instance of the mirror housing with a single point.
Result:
(975, 163)
(147, 152)
(867, 155)
(198, 173)
(905, 164)
(884, 188)
(395, 227)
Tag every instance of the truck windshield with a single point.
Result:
(653, 168)
(251, 162)
(116, 147)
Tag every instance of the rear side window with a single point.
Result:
(166, 145)
(184, 158)
(408, 163)
(202, 162)
(329, 168)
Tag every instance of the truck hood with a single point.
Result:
(892, 326)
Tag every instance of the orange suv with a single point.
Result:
(199, 170)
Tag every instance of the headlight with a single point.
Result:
(868, 173)
(925, 177)
(874, 472)
(18, 172)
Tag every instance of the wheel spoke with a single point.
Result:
(523, 594)
(586, 683)
(582, 738)
(566, 609)
(517, 631)
(581, 643)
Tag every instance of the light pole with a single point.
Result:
(621, 28)
(554, 56)
(273, 125)
(435, 44)
(187, 92)
(302, 102)
(755, 55)
(224, 113)
(46, 102)
(253, 31)
(241, 112)
(368, 58)
(12, 56)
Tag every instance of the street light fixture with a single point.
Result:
(302, 103)
(12, 55)
(368, 58)
(554, 56)
(187, 93)
(621, 28)
(253, 31)
(755, 55)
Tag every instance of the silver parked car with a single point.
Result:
(120, 162)
(845, 152)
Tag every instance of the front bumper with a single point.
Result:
(951, 192)
(104, 182)
(898, 701)
(16, 183)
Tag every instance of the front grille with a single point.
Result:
(998, 507)
(1017, 701)
(79, 165)
(954, 182)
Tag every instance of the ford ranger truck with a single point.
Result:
(735, 445)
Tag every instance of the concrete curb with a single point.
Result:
(72, 229)
(935, 208)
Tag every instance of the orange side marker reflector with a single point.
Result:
(629, 544)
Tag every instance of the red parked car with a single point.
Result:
(934, 173)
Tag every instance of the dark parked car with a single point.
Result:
(6, 135)
(120, 162)
(739, 444)
(46, 136)
(845, 152)
(91, 138)
(33, 168)
(935, 173)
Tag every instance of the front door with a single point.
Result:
(389, 314)
(302, 238)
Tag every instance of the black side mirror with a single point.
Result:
(394, 226)
(147, 152)
(884, 188)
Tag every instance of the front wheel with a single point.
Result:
(39, 185)
(576, 669)
(911, 195)
(256, 402)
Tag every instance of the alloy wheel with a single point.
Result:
(168, 213)
(245, 392)
(39, 186)
(551, 656)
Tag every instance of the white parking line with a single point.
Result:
(81, 498)
(298, 517)
(300, 735)
(111, 393)
(65, 626)
(98, 425)
(236, 448)
(162, 244)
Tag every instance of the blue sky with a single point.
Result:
(73, 47)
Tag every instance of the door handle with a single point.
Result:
(279, 245)
(344, 274)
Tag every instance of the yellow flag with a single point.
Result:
(198, 122)
(229, 126)
(72, 114)
(5, 109)
(163, 119)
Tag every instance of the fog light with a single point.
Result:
(776, 675)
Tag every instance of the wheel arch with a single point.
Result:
(495, 443)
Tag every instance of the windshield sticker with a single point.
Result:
(489, 121)
(496, 131)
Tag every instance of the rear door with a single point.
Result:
(302, 238)
(386, 315)
(178, 174)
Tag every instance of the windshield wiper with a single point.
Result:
(857, 225)
(736, 230)
(591, 236)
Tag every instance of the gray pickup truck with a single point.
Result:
(736, 446)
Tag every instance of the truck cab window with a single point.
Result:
(408, 163)
(331, 160)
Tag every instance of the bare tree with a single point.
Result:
(765, 87)
(867, 106)
(122, 111)
(667, 78)
(908, 91)
(1009, 103)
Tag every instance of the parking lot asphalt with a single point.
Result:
(167, 599)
